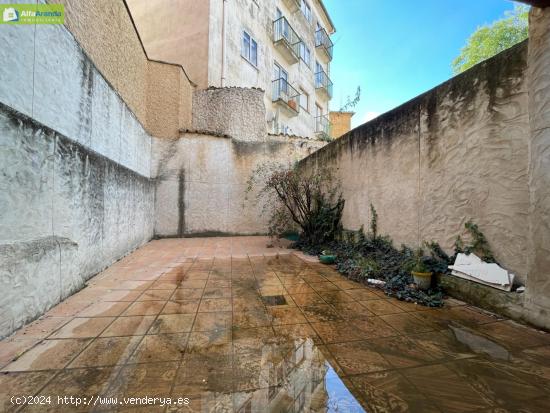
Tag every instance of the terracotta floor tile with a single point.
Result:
(86, 382)
(11, 349)
(212, 321)
(324, 286)
(83, 327)
(193, 283)
(302, 300)
(172, 323)
(187, 294)
(435, 382)
(155, 295)
(129, 326)
(121, 295)
(358, 357)
(320, 312)
(217, 292)
(373, 327)
(407, 323)
(20, 384)
(104, 309)
(289, 315)
(144, 308)
(181, 307)
(40, 328)
(107, 351)
(221, 341)
(389, 391)
(49, 354)
(381, 307)
(401, 351)
(362, 294)
(149, 379)
(209, 305)
(158, 348)
(337, 331)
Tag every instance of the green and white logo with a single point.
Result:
(32, 13)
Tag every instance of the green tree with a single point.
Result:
(491, 39)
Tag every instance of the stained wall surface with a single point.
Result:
(538, 281)
(76, 189)
(201, 182)
(458, 152)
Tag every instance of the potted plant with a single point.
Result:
(327, 257)
(421, 275)
(292, 104)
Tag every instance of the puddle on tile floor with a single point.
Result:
(202, 329)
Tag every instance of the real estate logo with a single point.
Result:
(10, 15)
(32, 13)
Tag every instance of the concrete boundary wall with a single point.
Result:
(68, 212)
(201, 181)
(456, 152)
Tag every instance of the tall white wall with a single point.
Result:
(75, 186)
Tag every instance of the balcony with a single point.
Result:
(323, 43)
(293, 5)
(323, 84)
(322, 127)
(286, 40)
(286, 97)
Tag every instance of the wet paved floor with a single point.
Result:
(232, 326)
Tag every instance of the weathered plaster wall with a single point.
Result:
(105, 32)
(75, 165)
(233, 111)
(67, 213)
(538, 281)
(457, 152)
(201, 182)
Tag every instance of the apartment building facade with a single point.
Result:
(280, 46)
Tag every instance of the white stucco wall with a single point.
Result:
(538, 281)
(201, 182)
(75, 187)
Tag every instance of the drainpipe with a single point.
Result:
(224, 42)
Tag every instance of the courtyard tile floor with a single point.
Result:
(237, 327)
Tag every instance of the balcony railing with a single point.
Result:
(322, 126)
(323, 83)
(323, 42)
(285, 36)
(286, 95)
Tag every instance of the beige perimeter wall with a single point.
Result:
(457, 152)
(201, 182)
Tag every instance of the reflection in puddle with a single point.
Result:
(298, 380)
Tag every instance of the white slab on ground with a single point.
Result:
(471, 267)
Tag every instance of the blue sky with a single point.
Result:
(396, 50)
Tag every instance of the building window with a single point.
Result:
(305, 54)
(304, 100)
(249, 49)
(306, 10)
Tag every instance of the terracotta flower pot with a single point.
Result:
(423, 280)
